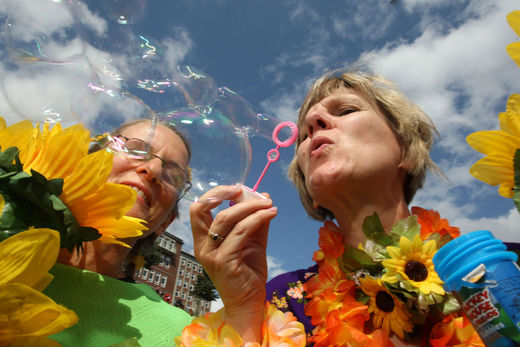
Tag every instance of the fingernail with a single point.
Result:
(273, 209)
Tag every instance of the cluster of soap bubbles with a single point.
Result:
(62, 61)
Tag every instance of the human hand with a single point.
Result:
(236, 264)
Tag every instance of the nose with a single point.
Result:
(152, 169)
(316, 120)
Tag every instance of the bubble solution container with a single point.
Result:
(486, 281)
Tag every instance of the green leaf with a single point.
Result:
(516, 188)
(374, 230)
(408, 227)
(33, 201)
(354, 259)
(7, 157)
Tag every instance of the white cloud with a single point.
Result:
(503, 227)
(274, 267)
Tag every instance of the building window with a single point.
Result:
(145, 273)
(187, 275)
(163, 281)
(150, 275)
(193, 277)
(183, 295)
(181, 272)
(189, 298)
(207, 304)
(191, 287)
(179, 282)
(185, 285)
(167, 262)
(183, 262)
(200, 269)
(189, 265)
(170, 246)
(176, 293)
(157, 278)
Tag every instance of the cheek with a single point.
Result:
(119, 165)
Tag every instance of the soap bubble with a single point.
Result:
(125, 11)
(219, 154)
(46, 92)
(250, 123)
(183, 87)
(107, 108)
(30, 36)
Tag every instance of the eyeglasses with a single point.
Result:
(173, 176)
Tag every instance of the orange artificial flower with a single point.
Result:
(455, 330)
(431, 222)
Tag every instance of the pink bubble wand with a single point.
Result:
(274, 154)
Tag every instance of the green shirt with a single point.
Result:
(111, 311)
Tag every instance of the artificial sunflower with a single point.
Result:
(500, 146)
(411, 264)
(27, 316)
(63, 154)
(388, 311)
(513, 49)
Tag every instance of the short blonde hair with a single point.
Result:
(413, 129)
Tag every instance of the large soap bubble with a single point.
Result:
(125, 11)
(30, 36)
(220, 154)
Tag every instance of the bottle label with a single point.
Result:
(494, 308)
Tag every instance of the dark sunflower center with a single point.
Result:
(384, 301)
(416, 271)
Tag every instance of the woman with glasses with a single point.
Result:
(95, 284)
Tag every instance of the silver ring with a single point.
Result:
(215, 237)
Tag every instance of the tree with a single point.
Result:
(203, 290)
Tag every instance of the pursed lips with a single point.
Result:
(318, 144)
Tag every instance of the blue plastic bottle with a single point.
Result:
(486, 280)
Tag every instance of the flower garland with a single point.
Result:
(53, 195)
(387, 285)
(278, 329)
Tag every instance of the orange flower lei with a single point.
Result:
(334, 302)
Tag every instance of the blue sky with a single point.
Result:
(447, 55)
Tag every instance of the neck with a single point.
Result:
(350, 213)
(105, 259)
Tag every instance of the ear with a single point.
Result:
(315, 205)
(166, 222)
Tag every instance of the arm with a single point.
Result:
(237, 265)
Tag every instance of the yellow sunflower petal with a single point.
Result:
(405, 244)
(27, 256)
(513, 104)
(113, 200)
(63, 151)
(18, 135)
(513, 19)
(429, 247)
(506, 190)
(2, 123)
(492, 170)
(513, 49)
(493, 141)
(27, 312)
(394, 252)
(83, 180)
(417, 244)
(2, 204)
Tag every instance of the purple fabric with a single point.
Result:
(279, 286)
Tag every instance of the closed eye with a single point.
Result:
(346, 111)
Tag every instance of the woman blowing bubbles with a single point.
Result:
(363, 150)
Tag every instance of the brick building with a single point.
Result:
(161, 277)
(187, 272)
(176, 275)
